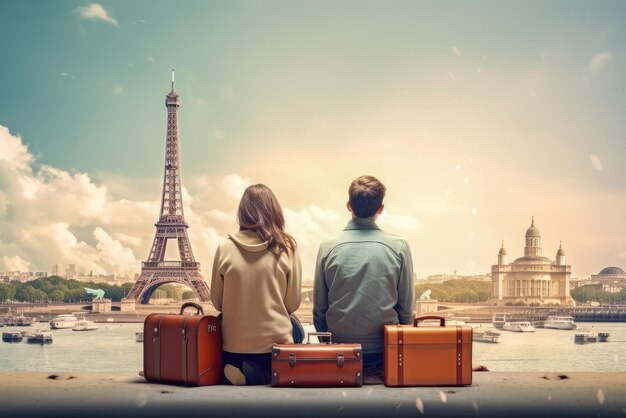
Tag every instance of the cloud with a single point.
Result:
(118, 90)
(599, 61)
(234, 185)
(596, 162)
(456, 51)
(150, 59)
(451, 75)
(52, 216)
(15, 263)
(12, 151)
(95, 11)
(111, 250)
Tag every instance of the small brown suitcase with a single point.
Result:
(183, 349)
(317, 365)
(428, 356)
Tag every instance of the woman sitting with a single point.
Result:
(256, 285)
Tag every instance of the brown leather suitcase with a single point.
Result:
(428, 355)
(183, 349)
(317, 365)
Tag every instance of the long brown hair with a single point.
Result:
(259, 211)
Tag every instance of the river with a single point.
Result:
(112, 348)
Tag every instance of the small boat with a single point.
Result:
(18, 321)
(486, 336)
(518, 326)
(40, 337)
(85, 325)
(560, 322)
(585, 336)
(139, 336)
(12, 337)
(498, 321)
(64, 321)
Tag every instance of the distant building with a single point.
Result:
(441, 278)
(577, 282)
(56, 269)
(612, 279)
(531, 279)
(71, 271)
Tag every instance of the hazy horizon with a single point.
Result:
(476, 116)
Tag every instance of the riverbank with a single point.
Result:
(492, 394)
(45, 312)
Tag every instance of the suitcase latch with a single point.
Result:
(292, 359)
(340, 359)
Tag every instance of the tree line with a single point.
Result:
(458, 291)
(594, 293)
(58, 289)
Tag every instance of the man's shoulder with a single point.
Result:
(396, 242)
(347, 237)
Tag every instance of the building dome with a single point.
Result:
(533, 231)
(560, 252)
(502, 250)
(613, 271)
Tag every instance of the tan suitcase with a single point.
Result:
(428, 355)
(183, 349)
(317, 365)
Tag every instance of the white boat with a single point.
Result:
(18, 321)
(486, 336)
(40, 337)
(139, 336)
(64, 321)
(559, 322)
(518, 326)
(85, 325)
(454, 321)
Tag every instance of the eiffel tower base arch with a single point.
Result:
(150, 279)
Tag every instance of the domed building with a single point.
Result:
(612, 279)
(532, 279)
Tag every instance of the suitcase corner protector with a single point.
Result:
(275, 377)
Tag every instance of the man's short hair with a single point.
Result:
(366, 195)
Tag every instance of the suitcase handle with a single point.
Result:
(199, 310)
(442, 319)
(319, 334)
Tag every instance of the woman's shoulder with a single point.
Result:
(226, 243)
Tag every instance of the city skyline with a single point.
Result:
(475, 116)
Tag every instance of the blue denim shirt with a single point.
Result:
(363, 281)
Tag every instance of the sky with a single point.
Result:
(475, 115)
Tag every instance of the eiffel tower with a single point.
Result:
(170, 226)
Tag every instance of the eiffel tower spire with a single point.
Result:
(171, 225)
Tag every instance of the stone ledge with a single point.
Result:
(493, 394)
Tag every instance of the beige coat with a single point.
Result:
(255, 292)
